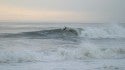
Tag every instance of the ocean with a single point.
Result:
(62, 46)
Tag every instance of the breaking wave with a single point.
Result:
(84, 51)
(32, 50)
(109, 31)
(51, 33)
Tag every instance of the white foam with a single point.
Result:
(109, 31)
(84, 51)
(90, 51)
(26, 50)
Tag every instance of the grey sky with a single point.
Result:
(96, 10)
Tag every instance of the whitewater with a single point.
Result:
(62, 46)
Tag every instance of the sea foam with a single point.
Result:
(83, 51)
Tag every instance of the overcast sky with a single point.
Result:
(63, 10)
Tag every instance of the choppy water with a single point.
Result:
(46, 42)
(35, 42)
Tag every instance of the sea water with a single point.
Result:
(49, 46)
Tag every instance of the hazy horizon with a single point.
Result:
(82, 11)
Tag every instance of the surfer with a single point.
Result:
(64, 28)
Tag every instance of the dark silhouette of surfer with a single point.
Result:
(64, 28)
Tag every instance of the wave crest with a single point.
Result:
(51, 33)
